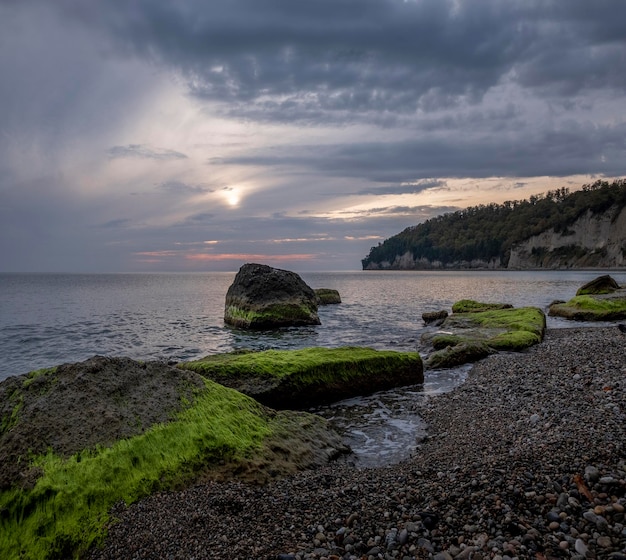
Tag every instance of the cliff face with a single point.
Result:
(594, 240)
(408, 262)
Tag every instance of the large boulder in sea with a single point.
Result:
(262, 297)
(604, 284)
(310, 376)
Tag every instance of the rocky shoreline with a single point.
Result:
(526, 460)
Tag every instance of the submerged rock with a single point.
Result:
(262, 297)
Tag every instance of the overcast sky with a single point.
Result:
(140, 135)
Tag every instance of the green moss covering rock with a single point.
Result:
(140, 427)
(592, 308)
(472, 306)
(476, 329)
(602, 299)
(327, 296)
(300, 378)
(459, 354)
(604, 284)
(262, 297)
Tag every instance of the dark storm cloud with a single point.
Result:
(571, 149)
(144, 152)
(303, 59)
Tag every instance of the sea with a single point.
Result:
(50, 319)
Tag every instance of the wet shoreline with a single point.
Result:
(526, 459)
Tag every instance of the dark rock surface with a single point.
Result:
(76, 406)
(327, 296)
(262, 297)
(601, 285)
(434, 317)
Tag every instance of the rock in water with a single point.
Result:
(262, 297)
(605, 284)
(327, 296)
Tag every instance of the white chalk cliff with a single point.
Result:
(593, 240)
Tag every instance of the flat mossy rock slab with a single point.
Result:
(606, 307)
(482, 329)
(79, 438)
(602, 299)
(262, 297)
(301, 378)
(327, 296)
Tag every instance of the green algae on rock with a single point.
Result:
(601, 299)
(300, 378)
(327, 296)
(604, 284)
(472, 306)
(482, 328)
(610, 307)
(69, 468)
(262, 297)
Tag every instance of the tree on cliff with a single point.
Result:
(487, 232)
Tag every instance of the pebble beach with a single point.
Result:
(527, 459)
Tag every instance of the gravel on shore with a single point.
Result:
(527, 459)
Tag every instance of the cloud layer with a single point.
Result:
(194, 135)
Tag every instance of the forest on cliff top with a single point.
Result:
(488, 231)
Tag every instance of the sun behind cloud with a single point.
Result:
(232, 195)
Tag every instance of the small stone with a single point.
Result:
(426, 545)
(553, 516)
(554, 526)
(592, 474)
(563, 545)
(607, 480)
(590, 516)
(604, 541)
(581, 547)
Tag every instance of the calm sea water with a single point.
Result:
(49, 319)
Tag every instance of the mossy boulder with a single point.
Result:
(434, 317)
(476, 329)
(602, 299)
(262, 297)
(302, 378)
(82, 437)
(458, 354)
(604, 284)
(607, 307)
(327, 296)
(472, 306)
